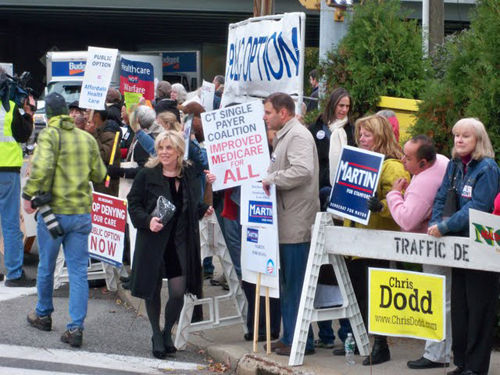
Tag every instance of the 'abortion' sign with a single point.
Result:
(264, 56)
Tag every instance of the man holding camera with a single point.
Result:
(65, 160)
(16, 126)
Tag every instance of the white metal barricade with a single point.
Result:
(307, 314)
(213, 244)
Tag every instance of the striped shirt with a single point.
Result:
(78, 162)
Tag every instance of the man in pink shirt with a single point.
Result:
(412, 212)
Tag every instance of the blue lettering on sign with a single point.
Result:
(274, 56)
(252, 235)
(260, 212)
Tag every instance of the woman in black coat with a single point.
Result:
(172, 250)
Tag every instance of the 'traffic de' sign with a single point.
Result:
(236, 143)
(109, 217)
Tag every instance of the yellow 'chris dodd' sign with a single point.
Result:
(408, 304)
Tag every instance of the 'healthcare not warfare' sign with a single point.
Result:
(236, 144)
(138, 77)
(97, 77)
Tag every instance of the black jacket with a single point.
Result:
(149, 248)
(167, 105)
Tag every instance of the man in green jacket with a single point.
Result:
(65, 160)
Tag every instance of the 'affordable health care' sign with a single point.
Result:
(264, 56)
(408, 304)
(109, 217)
(356, 181)
(137, 76)
(97, 76)
(236, 144)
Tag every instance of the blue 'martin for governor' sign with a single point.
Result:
(356, 181)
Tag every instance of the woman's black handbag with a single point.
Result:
(451, 202)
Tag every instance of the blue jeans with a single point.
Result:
(10, 194)
(293, 262)
(75, 245)
(232, 236)
(325, 332)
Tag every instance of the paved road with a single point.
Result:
(116, 340)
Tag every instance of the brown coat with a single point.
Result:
(105, 137)
(294, 170)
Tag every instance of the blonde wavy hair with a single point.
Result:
(385, 141)
(168, 121)
(483, 148)
(177, 141)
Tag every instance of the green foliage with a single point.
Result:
(467, 84)
(381, 54)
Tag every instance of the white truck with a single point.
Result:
(65, 75)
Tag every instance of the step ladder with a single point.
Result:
(213, 244)
(307, 314)
(95, 271)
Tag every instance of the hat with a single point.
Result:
(55, 105)
(74, 104)
(163, 89)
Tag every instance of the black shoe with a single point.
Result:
(43, 323)
(458, 371)
(208, 275)
(1, 276)
(470, 372)
(158, 348)
(424, 363)
(380, 354)
(21, 282)
(169, 344)
(126, 285)
(73, 337)
(124, 279)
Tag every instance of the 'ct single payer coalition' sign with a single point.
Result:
(236, 144)
(408, 304)
(109, 217)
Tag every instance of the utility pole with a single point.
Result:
(263, 8)
(332, 28)
(436, 24)
(432, 25)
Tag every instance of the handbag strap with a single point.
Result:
(454, 176)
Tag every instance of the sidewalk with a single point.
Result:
(227, 345)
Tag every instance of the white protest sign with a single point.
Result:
(268, 279)
(261, 246)
(236, 143)
(109, 217)
(265, 55)
(97, 76)
(484, 232)
(187, 135)
(256, 208)
(207, 92)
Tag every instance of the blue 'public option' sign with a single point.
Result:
(356, 181)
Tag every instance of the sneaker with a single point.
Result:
(73, 337)
(21, 282)
(208, 275)
(43, 323)
(321, 344)
(220, 281)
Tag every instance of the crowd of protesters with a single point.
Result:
(411, 196)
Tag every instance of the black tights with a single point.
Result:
(173, 308)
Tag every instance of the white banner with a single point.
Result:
(97, 76)
(207, 92)
(236, 143)
(264, 55)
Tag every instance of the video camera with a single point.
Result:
(41, 202)
(16, 89)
